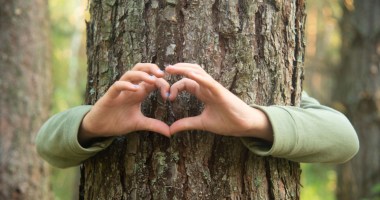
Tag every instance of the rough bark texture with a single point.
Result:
(254, 48)
(24, 99)
(358, 89)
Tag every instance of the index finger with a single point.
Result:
(187, 66)
(160, 84)
(149, 68)
(196, 73)
(184, 84)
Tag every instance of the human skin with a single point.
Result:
(118, 112)
(223, 114)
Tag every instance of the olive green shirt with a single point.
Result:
(310, 133)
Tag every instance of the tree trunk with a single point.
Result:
(255, 49)
(24, 99)
(358, 90)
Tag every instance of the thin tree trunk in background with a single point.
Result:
(358, 89)
(25, 97)
(255, 49)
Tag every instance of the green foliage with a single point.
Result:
(65, 183)
(318, 181)
(375, 192)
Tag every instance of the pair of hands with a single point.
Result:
(118, 112)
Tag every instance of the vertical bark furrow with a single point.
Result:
(179, 34)
(299, 53)
(258, 31)
(90, 76)
(271, 190)
(123, 167)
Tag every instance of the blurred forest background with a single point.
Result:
(323, 57)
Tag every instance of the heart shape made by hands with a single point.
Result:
(223, 112)
(119, 110)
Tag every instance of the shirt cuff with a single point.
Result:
(284, 134)
(72, 137)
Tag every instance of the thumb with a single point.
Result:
(154, 125)
(188, 123)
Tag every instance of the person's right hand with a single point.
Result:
(118, 112)
(224, 113)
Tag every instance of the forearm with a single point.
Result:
(261, 126)
(57, 140)
(313, 133)
(87, 137)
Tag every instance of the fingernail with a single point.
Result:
(167, 95)
(160, 71)
(152, 77)
(168, 66)
(136, 86)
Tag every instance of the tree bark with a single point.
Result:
(24, 99)
(255, 49)
(358, 90)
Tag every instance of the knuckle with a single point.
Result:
(164, 83)
(127, 74)
(116, 83)
(137, 66)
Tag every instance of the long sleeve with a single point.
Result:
(311, 133)
(57, 140)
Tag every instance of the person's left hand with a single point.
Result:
(118, 112)
(224, 113)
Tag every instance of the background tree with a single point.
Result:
(24, 102)
(358, 90)
(255, 49)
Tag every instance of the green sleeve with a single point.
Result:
(311, 133)
(57, 140)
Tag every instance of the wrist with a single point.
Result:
(85, 134)
(261, 126)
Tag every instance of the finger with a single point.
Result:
(120, 86)
(161, 84)
(164, 87)
(137, 77)
(194, 67)
(154, 125)
(189, 123)
(184, 69)
(184, 84)
(205, 81)
(149, 68)
(196, 73)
